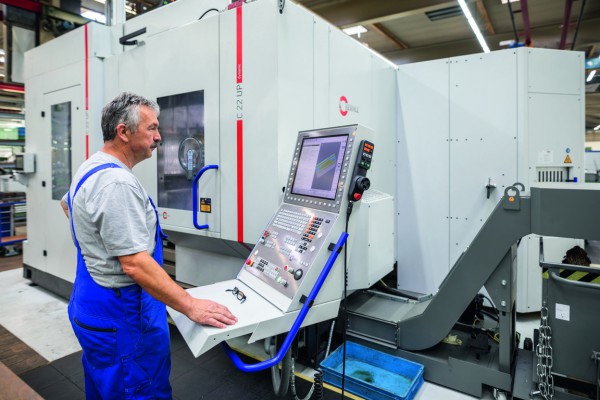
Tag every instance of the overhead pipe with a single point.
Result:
(526, 24)
(512, 20)
(566, 18)
(578, 23)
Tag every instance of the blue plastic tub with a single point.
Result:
(372, 374)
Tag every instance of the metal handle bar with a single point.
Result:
(195, 195)
(297, 323)
(578, 284)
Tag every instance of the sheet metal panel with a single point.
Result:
(423, 177)
(483, 141)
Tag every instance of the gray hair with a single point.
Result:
(124, 109)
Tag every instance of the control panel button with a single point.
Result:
(357, 196)
(298, 274)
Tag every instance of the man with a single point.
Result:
(117, 308)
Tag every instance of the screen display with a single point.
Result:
(319, 166)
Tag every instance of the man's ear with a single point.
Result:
(122, 132)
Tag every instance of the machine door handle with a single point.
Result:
(297, 323)
(195, 195)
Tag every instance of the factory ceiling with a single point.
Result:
(406, 31)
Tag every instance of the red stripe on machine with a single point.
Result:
(238, 41)
(240, 129)
(240, 179)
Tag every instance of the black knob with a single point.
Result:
(298, 274)
(363, 183)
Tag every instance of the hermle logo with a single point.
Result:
(345, 106)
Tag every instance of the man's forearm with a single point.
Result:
(146, 272)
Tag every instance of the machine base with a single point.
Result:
(48, 281)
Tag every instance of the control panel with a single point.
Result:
(326, 164)
(288, 247)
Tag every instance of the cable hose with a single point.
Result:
(397, 292)
(317, 386)
(281, 380)
(319, 392)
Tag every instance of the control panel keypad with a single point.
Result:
(288, 247)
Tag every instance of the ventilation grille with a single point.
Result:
(373, 195)
(551, 174)
(444, 13)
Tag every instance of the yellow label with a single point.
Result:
(567, 160)
(205, 205)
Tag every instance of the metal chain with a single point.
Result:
(543, 352)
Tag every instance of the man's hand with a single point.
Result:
(208, 312)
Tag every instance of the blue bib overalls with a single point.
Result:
(123, 332)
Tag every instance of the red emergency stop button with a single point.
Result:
(357, 196)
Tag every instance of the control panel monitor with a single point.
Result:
(319, 166)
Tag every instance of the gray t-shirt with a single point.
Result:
(113, 217)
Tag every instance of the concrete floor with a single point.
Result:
(39, 319)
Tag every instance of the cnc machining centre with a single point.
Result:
(233, 100)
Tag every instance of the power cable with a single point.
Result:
(207, 11)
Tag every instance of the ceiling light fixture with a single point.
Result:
(94, 16)
(474, 26)
(597, 128)
(355, 30)
(591, 76)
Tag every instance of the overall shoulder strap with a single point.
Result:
(81, 182)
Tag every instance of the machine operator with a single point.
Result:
(117, 308)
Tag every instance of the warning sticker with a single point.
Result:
(205, 205)
(568, 159)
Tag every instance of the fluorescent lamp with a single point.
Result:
(474, 26)
(591, 76)
(506, 1)
(597, 128)
(94, 16)
(506, 43)
(355, 30)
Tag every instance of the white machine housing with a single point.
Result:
(472, 121)
(263, 76)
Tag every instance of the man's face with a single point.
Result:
(147, 137)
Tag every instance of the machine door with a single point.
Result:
(184, 79)
(62, 133)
